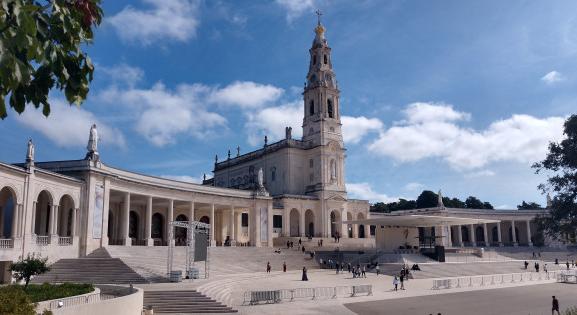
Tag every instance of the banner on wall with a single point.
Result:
(264, 224)
(98, 210)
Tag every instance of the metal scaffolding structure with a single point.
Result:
(191, 227)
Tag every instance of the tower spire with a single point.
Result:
(319, 14)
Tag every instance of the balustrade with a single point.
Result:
(6, 243)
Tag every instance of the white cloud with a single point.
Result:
(365, 191)
(481, 173)
(68, 126)
(165, 20)
(272, 121)
(414, 186)
(184, 178)
(355, 128)
(246, 94)
(520, 138)
(162, 114)
(296, 8)
(552, 77)
(121, 74)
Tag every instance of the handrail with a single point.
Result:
(279, 295)
(489, 280)
(6, 243)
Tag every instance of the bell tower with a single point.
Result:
(322, 117)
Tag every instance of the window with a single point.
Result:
(311, 163)
(314, 59)
(273, 174)
(244, 219)
(277, 221)
(330, 108)
(326, 60)
(311, 107)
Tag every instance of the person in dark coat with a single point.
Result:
(555, 306)
(305, 278)
(268, 267)
(284, 266)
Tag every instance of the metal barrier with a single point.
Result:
(490, 280)
(569, 276)
(277, 296)
(89, 298)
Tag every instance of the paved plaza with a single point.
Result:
(525, 300)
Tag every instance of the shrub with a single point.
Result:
(13, 300)
(26, 268)
(47, 291)
(571, 311)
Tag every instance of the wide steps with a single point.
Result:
(183, 302)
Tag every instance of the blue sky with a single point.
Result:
(461, 96)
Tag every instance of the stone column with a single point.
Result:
(231, 227)
(15, 213)
(472, 235)
(269, 226)
(191, 212)
(33, 223)
(499, 236)
(460, 235)
(344, 227)
(449, 236)
(355, 231)
(73, 223)
(20, 224)
(170, 218)
(302, 223)
(513, 233)
(255, 229)
(54, 223)
(485, 235)
(212, 226)
(126, 216)
(148, 222)
(529, 243)
(286, 227)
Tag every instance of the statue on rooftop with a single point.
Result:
(30, 152)
(92, 146)
(260, 178)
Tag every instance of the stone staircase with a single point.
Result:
(447, 270)
(184, 301)
(150, 261)
(97, 268)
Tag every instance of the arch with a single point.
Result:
(312, 107)
(205, 219)
(361, 234)
(133, 224)
(465, 234)
(330, 109)
(495, 234)
(516, 235)
(8, 203)
(314, 59)
(326, 59)
(180, 232)
(310, 222)
(157, 226)
(335, 223)
(480, 235)
(294, 220)
(43, 214)
(65, 213)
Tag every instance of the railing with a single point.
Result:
(65, 241)
(42, 240)
(490, 280)
(6, 243)
(277, 296)
(569, 276)
(93, 297)
(112, 241)
(136, 242)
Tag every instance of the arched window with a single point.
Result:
(314, 59)
(333, 170)
(311, 107)
(133, 224)
(330, 108)
(156, 229)
(326, 59)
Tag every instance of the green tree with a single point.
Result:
(561, 167)
(13, 300)
(453, 203)
(25, 269)
(487, 205)
(40, 48)
(529, 206)
(380, 207)
(474, 203)
(427, 199)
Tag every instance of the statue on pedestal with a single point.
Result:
(260, 189)
(92, 146)
(30, 153)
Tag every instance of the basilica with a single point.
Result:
(289, 188)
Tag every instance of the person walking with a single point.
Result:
(305, 278)
(268, 267)
(364, 272)
(284, 266)
(300, 242)
(303, 249)
(378, 269)
(526, 265)
(555, 306)
(567, 265)
(338, 268)
(396, 283)
(349, 267)
(402, 280)
(545, 268)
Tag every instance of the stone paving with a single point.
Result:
(229, 289)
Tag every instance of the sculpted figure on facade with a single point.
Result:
(92, 146)
(30, 152)
(260, 178)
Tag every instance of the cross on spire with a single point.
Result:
(319, 13)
